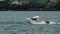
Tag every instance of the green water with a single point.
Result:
(15, 23)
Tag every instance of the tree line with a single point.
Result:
(39, 4)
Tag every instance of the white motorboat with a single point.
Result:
(29, 20)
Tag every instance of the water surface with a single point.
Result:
(14, 22)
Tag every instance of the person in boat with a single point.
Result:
(35, 18)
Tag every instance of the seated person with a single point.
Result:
(34, 19)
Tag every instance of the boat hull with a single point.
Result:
(39, 22)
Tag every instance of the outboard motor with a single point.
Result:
(47, 22)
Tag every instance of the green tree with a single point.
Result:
(52, 3)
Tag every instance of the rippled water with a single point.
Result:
(14, 22)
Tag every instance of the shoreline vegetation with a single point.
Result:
(29, 5)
